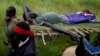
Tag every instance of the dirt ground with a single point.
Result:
(70, 51)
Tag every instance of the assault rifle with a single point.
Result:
(27, 13)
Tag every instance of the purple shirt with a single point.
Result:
(75, 18)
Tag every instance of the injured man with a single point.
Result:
(52, 17)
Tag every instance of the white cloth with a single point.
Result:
(22, 43)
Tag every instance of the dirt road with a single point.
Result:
(70, 51)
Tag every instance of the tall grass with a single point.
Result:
(54, 47)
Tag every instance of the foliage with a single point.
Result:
(53, 47)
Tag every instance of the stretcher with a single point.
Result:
(80, 28)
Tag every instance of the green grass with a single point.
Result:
(54, 46)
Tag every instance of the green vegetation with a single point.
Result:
(54, 46)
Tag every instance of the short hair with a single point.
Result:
(86, 11)
(24, 26)
(10, 11)
(31, 15)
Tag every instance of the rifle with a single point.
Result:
(27, 12)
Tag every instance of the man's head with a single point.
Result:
(22, 30)
(86, 11)
(31, 15)
(10, 11)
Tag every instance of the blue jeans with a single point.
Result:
(64, 19)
